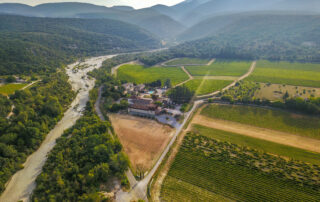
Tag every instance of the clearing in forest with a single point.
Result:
(297, 74)
(221, 68)
(143, 139)
(9, 89)
(140, 74)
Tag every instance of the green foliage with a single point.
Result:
(220, 68)
(44, 44)
(37, 110)
(238, 173)
(206, 86)
(181, 94)
(243, 91)
(10, 79)
(140, 74)
(260, 145)
(188, 61)
(298, 74)
(5, 106)
(266, 118)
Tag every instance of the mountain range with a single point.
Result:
(168, 23)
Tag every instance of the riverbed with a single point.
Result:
(22, 183)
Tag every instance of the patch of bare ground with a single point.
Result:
(260, 133)
(143, 139)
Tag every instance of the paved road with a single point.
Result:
(139, 190)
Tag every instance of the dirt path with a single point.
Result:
(114, 70)
(189, 75)
(252, 67)
(211, 61)
(30, 84)
(260, 133)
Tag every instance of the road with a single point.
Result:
(22, 183)
(252, 67)
(190, 77)
(139, 190)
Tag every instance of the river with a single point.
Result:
(22, 183)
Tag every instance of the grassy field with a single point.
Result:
(207, 86)
(140, 74)
(9, 89)
(261, 145)
(298, 74)
(210, 170)
(266, 118)
(188, 61)
(221, 68)
(275, 92)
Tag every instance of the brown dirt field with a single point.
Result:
(143, 139)
(276, 91)
(261, 133)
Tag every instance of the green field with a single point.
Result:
(298, 74)
(266, 118)
(188, 61)
(220, 68)
(140, 74)
(207, 86)
(261, 145)
(9, 89)
(218, 171)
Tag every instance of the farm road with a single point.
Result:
(260, 133)
(252, 67)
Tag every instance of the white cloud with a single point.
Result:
(133, 3)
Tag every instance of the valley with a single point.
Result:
(204, 100)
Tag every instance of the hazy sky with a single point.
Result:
(133, 3)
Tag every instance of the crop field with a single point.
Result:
(297, 74)
(258, 144)
(221, 68)
(140, 74)
(218, 171)
(188, 61)
(143, 139)
(277, 91)
(266, 118)
(9, 89)
(206, 86)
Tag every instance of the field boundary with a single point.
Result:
(279, 137)
(164, 64)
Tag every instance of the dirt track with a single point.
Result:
(261, 133)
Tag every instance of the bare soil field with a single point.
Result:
(277, 91)
(143, 139)
(260, 133)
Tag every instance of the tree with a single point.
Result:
(181, 94)
(11, 79)
(167, 83)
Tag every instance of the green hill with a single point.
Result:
(43, 44)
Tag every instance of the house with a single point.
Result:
(143, 107)
(128, 87)
(139, 87)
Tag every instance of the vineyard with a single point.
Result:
(238, 173)
(220, 68)
(206, 86)
(188, 61)
(298, 74)
(140, 74)
(9, 89)
(266, 118)
(258, 144)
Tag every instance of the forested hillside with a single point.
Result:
(43, 44)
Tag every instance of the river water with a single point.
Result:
(22, 183)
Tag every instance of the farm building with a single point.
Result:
(143, 107)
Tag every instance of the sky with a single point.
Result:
(132, 3)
